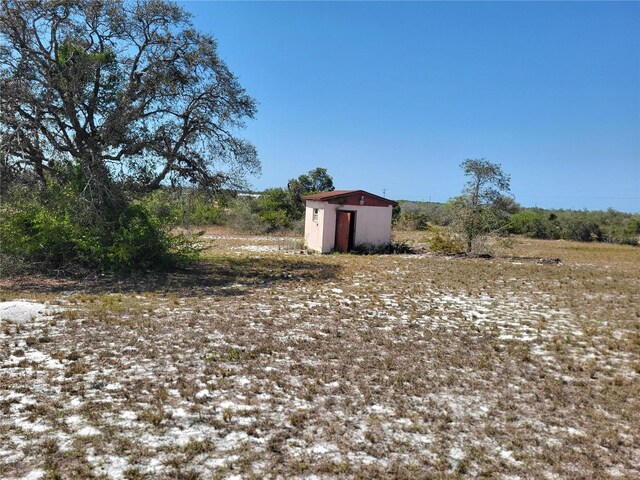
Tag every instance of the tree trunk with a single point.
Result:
(105, 198)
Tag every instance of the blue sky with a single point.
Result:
(395, 95)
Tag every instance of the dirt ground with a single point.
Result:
(262, 362)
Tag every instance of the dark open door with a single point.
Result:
(344, 230)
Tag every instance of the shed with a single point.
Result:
(342, 219)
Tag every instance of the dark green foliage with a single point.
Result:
(277, 208)
(30, 231)
(534, 224)
(395, 214)
(385, 249)
(55, 229)
(485, 207)
(632, 227)
(101, 103)
(581, 228)
(128, 91)
(412, 221)
(608, 226)
(186, 207)
(418, 215)
(316, 180)
(244, 214)
(139, 243)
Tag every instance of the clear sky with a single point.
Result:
(392, 96)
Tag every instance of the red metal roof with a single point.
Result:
(337, 194)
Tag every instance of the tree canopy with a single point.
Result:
(281, 208)
(485, 202)
(119, 91)
(316, 180)
(102, 101)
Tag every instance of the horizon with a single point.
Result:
(392, 97)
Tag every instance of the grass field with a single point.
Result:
(264, 362)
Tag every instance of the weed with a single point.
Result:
(227, 415)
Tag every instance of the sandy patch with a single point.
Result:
(23, 311)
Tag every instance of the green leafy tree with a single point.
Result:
(632, 227)
(109, 99)
(485, 203)
(316, 180)
(274, 208)
(280, 208)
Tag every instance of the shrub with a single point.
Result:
(271, 211)
(581, 229)
(632, 227)
(55, 229)
(185, 207)
(140, 243)
(584, 226)
(243, 215)
(412, 221)
(534, 224)
(29, 229)
(446, 243)
(384, 249)
(278, 208)
(275, 219)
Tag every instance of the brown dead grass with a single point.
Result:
(277, 364)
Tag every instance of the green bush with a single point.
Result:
(278, 208)
(185, 207)
(55, 229)
(583, 226)
(534, 224)
(30, 231)
(139, 242)
(435, 213)
(581, 229)
(242, 214)
(632, 227)
(273, 210)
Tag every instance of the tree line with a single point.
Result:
(550, 224)
(119, 121)
(274, 209)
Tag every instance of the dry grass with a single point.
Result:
(274, 364)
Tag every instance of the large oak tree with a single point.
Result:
(123, 95)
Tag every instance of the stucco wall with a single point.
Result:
(373, 225)
(313, 231)
(329, 237)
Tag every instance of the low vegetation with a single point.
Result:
(55, 229)
(583, 226)
(265, 362)
(609, 226)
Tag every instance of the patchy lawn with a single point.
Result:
(263, 362)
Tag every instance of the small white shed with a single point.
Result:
(342, 219)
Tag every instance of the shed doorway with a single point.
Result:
(345, 225)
